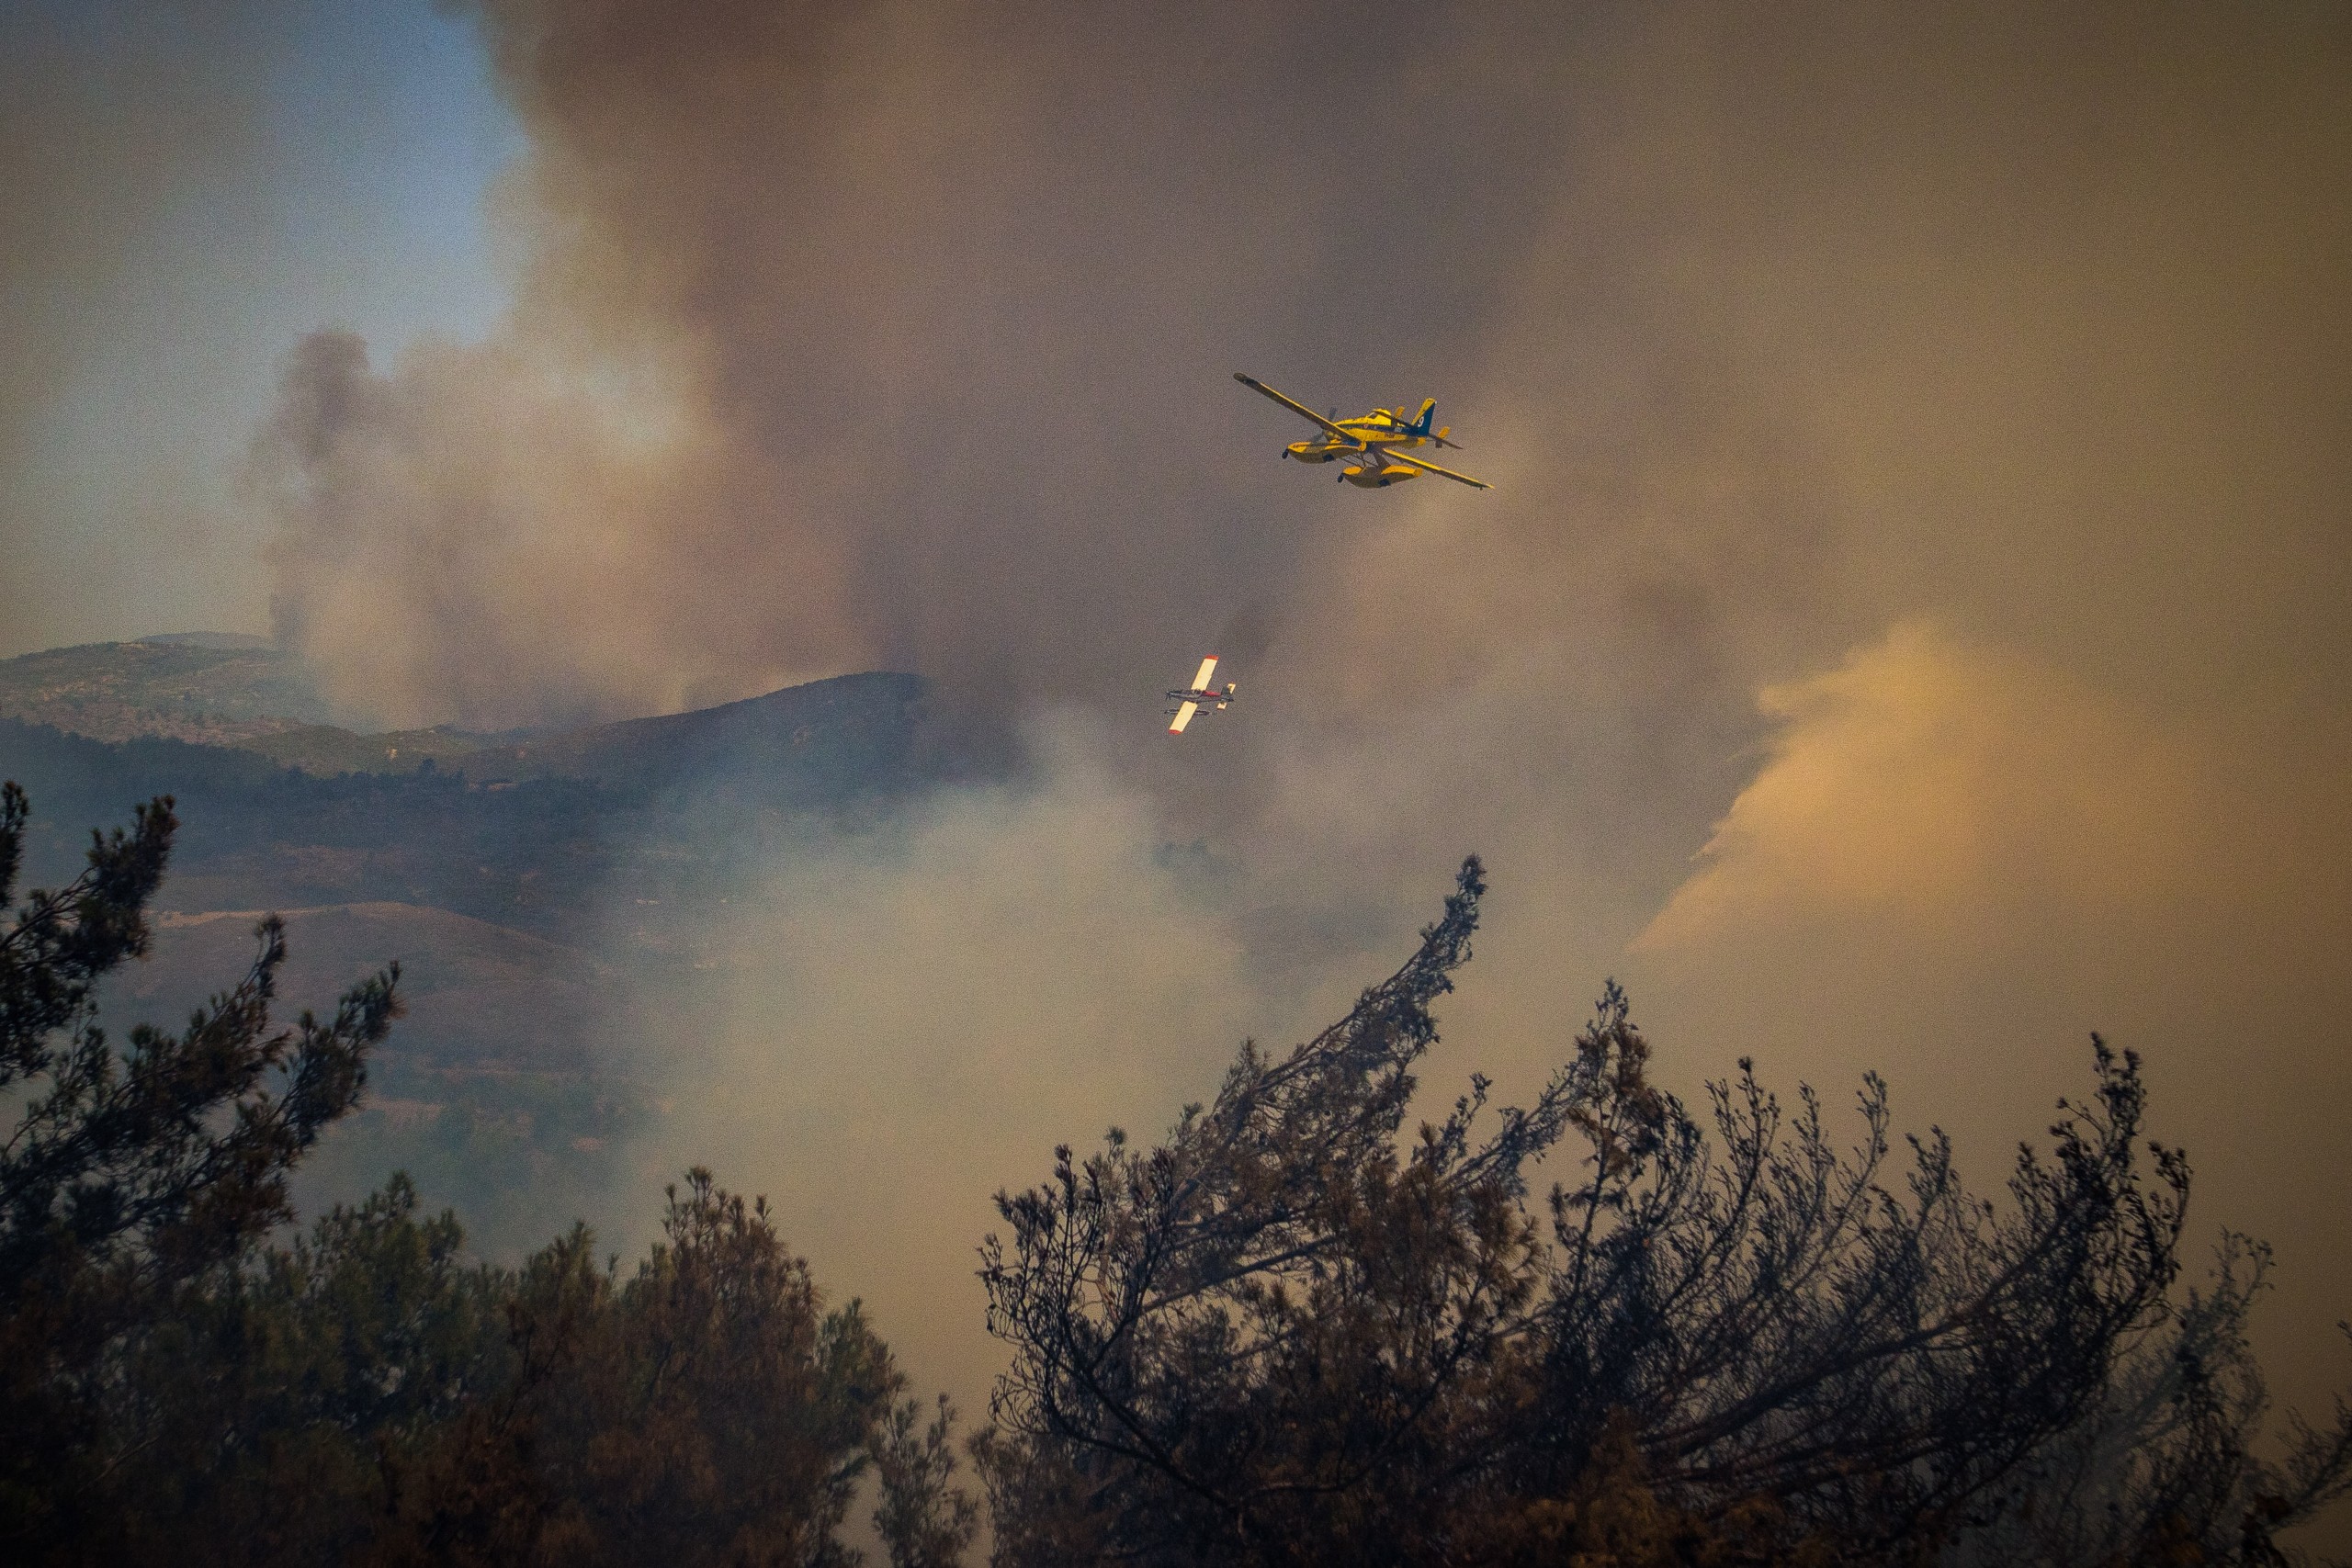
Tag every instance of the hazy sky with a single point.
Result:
(190, 190)
(1909, 630)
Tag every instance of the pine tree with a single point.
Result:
(1289, 1334)
(131, 1173)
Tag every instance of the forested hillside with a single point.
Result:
(204, 687)
(504, 881)
(527, 834)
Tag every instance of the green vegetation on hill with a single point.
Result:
(183, 690)
(323, 749)
(212, 691)
(265, 837)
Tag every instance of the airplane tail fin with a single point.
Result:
(1422, 419)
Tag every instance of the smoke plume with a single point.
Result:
(1967, 380)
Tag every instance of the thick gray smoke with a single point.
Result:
(1964, 385)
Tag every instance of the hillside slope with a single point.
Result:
(478, 995)
(809, 742)
(175, 687)
(511, 875)
(512, 880)
(646, 807)
(209, 689)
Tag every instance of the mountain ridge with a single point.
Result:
(230, 692)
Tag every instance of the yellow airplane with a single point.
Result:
(1376, 441)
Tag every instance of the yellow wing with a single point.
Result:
(1183, 717)
(1208, 668)
(1391, 455)
(1294, 405)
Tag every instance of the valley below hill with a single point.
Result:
(521, 881)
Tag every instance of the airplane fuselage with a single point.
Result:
(1366, 439)
(1191, 700)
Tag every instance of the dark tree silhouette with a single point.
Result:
(2165, 1467)
(269, 1410)
(924, 1520)
(708, 1410)
(1272, 1336)
(128, 1174)
(1290, 1333)
(1287, 1335)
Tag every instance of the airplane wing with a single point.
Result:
(1183, 717)
(1292, 404)
(1208, 668)
(1391, 455)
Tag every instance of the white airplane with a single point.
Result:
(1198, 695)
